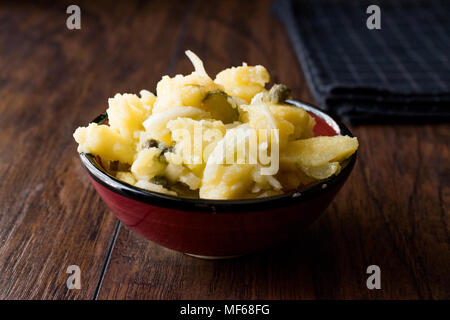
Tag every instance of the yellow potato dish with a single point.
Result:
(227, 138)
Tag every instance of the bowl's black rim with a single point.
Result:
(229, 206)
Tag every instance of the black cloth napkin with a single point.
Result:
(401, 71)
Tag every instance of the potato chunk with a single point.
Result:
(126, 113)
(319, 157)
(156, 125)
(147, 98)
(105, 142)
(193, 95)
(183, 91)
(226, 181)
(243, 82)
(303, 123)
(195, 139)
(147, 164)
(268, 110)
(179, 173)
(262, 119)
(291, 177)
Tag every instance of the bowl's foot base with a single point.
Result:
(212, 257)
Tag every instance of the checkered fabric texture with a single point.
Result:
(399, 72)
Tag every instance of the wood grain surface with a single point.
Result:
(393, 211)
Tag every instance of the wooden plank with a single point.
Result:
(53, 80)
(392, 212)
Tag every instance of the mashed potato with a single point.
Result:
(227, 138)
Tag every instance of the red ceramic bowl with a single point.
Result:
(220, 228)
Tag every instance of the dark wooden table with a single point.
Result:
(393, 212)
